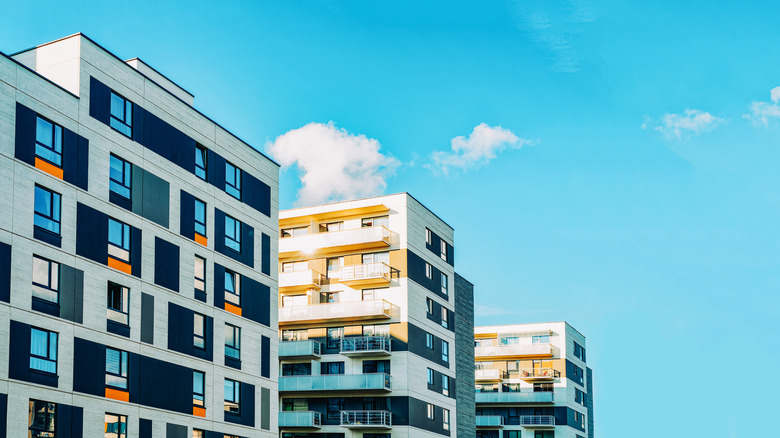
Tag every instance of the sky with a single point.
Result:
(608, 163)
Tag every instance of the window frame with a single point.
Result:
(235, 237)
(120, 420)
(431, 376)
(56, 141)
(124, 304)
(429, 341)
(445, 419)
(445, 351)
(431, 411)
(428, 236)
(195, 273)
(126, 183)
(428, 271)
(126, 236)
(235, 185)
(204, 153)
(50, 418)
(124, 363)
(46, 288)
(49, 351)
(445, 317)
(126, 120)
(445, 284)
(203, 223)
(235, 397)
(235, 294)
(55, 216)
(236, 340)
(429, 306)
(199, 341)
(445, 385)
(196, 395)
(443, 249)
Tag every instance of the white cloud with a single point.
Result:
(761, 113)
(483, 145)
(691, 122)
(334, 164)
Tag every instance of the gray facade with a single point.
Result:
(464, 352)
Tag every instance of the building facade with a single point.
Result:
(138, 243)
(532, 381)
(368, 318)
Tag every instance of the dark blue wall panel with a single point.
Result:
(255, 301)
(187, 222)
(415, 266)
(256, 194)
(265, 249)
(144, 428)
(5, 272)
(99, 100)
(265, 357)
(181, 332)
(166, 264)
(247, 412)
(25, 134)
(92, 234)
(247, 254)
(3, 415)
(89, 367)
(219, 286)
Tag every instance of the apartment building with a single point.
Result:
(532, 381)
(372, 318)
(137, 241)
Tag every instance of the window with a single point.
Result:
(335, 406)
(540, 339)
(295, 266)
(579, 396)
(46, 280)
(334, 267)
(232, 396)
(513, 434)
(121, 114)
(332, 368)
(43, 351)
(232, 233)
(233, 180)
(118, 304)
(430, 376)
(197, 433)
(118, 240)
(334, 337)
(47, 210)
(295, 300)
(376, 366)
(445, 351)
(543, 387)
(577, 371)
(381, 221)
(200, 217)
(116, 369)
(445, 318)
(443, 250)
(579, 351)
(377, 257)
(295, 404)
(445, 385)
(295, 335)
(445, 286)
(116, 426)
(199, 331)
(201, 161)
(579, 419)
(198, 389)
(296, 369)
(429, 306)
(431, 412)
(377, 330)
(332, 226)
(375, 294)
(428, 236)
(232, 341)
(119, 177)
(429, 341)
(42, 419)
(232, 288)
(293, 232)
(48, 141)
(445, 419)
(428, 271)
(200, 274)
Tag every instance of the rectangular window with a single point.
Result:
(445, 385)
(293, 232)
(377, 257)
(334, 337)
(579, 396)
(119, 240)
(543, 387)
(43, 351)
(197, 433)
(232, 288)
(540, 339)
(445, 318)
(118, 305)
(331, 227)
(46, 280)
(431, 412)
(199, 331)
(443, 250)
(42, 419)
(445, 285)
(116, 369)
(121, 115)
(376, 366)
(579, 351)
(296, 369)
(119, 177)
(334, 267)
(445, 419)
(200, 274)
(513, 434)
(429, 306)
(198, 389)
(380, 221)
(428, 236)
(577, 371)
(431, 376)
(232, 396)
(47, 210)
(232, 341)
(200, 217)
(428, 271)
(201, 161)
(233, 180)
(429, 341)
(48, 141)
(116, 426)
(295, 266)
(335, 406)
(232, 233)
(295, 335)
(445, 351)
(332, 368)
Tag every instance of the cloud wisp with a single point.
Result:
(690, 122)
(481, 146)
(333, 164)
(762, 113)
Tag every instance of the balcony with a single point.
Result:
(490, 421)
(365, 275)
(299, 281)
(336, 382)
(367, 419)
(489, 375)
(513, 397)
(537, 421)
(537, 374)
(336, 312)
(366, 345)
(491, 352)
(309, 349)
(300, 419)
(314, 245)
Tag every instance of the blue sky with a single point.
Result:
(625, 191)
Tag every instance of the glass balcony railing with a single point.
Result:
(490, 421)
(307, 419)
(300, 349)
(540, 350)
(513, 397)
(335, 241)
(367, 419)
(489, 374)
(365, 345)
(537, 420)
(308, 279)
(365, 274)
(349, 311)
(336, 382)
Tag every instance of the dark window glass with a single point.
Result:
(199, 340)
(376, 366)
(116, 426)
(335, 406)
(118, 305)
(43, 351)
(200, 161)
(200, 217)
(46, 280)
(47, 210)
(232, 341)
(429, 341)
(121, 115)
(232, 233)
(296, 369)
(445, 351)
(332, 368)
(431, 376)
(334, 337)
(48, 141)
(116, 368)
(198, 389)
(42, 419)
(232, 396)
(119, 175)
(233, 180)
(232, 288)
(118, 240)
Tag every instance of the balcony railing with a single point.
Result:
(513, 397)
(367, 274)
(365, 345)
(495, 421)
(349, 311)
(336, 382)
(299, 280)
(537, 350)
(300, 349)
(489, 374)
(302, 419)
(537, 420)
(367, 419)
(335, 241)
(536, 374)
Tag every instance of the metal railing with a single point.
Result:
(365, 271)
(489, 421)
(514, 397)
(537, 420)
(336, 382)
(300, 348)
(311, 243)
(308, 277)
(366, 344)
(353, 309)
(536, 373)
(300, 419)
(366, 419)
